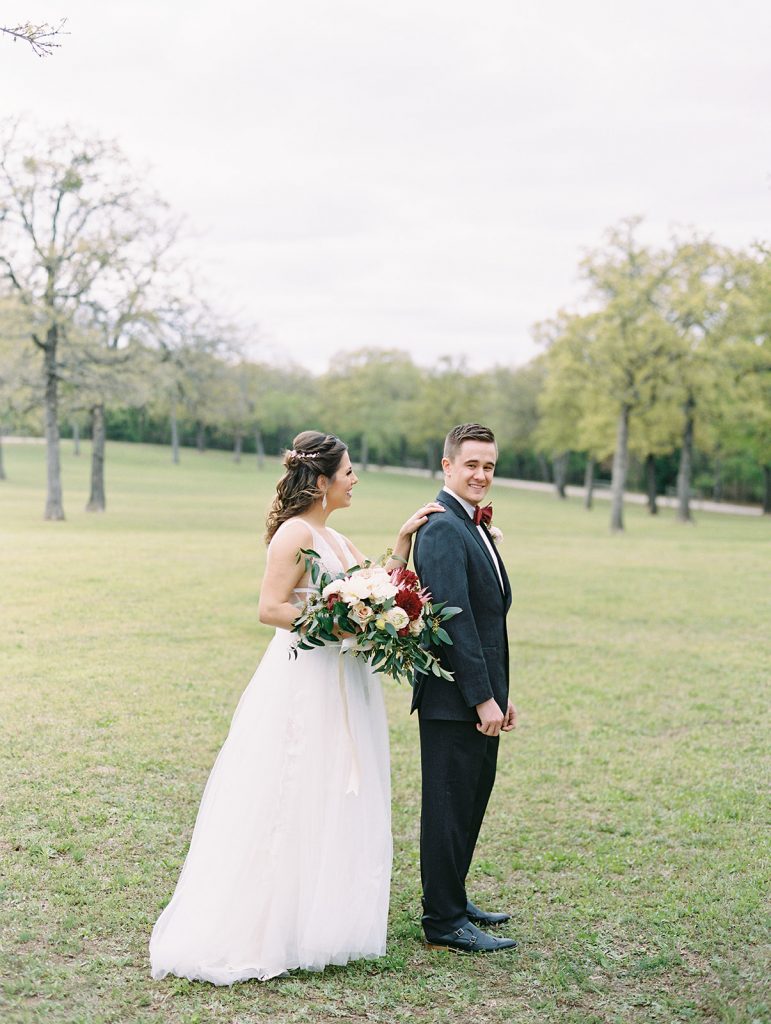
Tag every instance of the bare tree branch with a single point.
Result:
(42, 38)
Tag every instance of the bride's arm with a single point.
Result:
(401, 549)
(282, 573)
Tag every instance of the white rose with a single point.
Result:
(397, 617)
(383, 590)
(495, 534)
(367, 572)
(354, 589)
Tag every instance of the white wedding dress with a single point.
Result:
(289, 864)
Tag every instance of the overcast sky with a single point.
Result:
(419, 174)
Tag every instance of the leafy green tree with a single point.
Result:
(370, 391)
(512, 406)
(632, 345)
(234, 405)
(743, 420)
(695, 302)
(257, 398)
(448, 395)
(287, 399)
(562, 397)
(578, 413)
(655, 431)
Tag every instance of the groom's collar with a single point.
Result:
(466, 505)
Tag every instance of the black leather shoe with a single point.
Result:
(481, 917)
(469, 939)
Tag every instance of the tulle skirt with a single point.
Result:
(289, 864)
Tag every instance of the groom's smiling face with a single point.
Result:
(470, 473)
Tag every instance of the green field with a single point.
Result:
(627, 830)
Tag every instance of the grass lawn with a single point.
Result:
(626, 834)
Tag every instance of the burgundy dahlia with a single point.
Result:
(410, 602)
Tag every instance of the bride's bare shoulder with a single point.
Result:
(291, 536)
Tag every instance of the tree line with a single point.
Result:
(663, 371)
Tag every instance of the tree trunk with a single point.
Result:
(717, 486)
(364, 453)
(618, 481)
(2, 464)
(684, 471)
(431, 458)
(54, 508)
(96, 502)
(545, 474)
(237, 447)
(200, 437)
(650, 482)
(174, 437)
(589, 483)
(767, 490)
(402, 451)
(259, 447)
(560, 464)
(75, 437)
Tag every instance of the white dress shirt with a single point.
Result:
(484, 534)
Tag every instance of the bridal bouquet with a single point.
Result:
(392, 618)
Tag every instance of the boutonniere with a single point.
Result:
(495, 534)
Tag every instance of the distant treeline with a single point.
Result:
(734, 478)
(661, 379)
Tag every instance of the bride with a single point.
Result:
(289, 864)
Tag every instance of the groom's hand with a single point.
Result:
(511, 719)
(491, 718)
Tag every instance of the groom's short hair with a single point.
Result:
(466, 432)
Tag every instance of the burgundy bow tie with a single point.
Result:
(483, 515)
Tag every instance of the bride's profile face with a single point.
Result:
(341, 485)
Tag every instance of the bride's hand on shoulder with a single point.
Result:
(417, 519)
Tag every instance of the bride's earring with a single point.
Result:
(324, 502)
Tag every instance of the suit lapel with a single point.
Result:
(455, 506)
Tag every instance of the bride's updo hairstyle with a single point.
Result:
(313, 455)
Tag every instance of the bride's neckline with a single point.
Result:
(338, 546)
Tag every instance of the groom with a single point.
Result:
(460, 721)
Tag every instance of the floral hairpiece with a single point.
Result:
(294, 454)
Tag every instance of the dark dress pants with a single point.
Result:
(458, 770)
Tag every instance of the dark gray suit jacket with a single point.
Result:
(452, 560)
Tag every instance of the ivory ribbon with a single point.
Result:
(353, 775)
